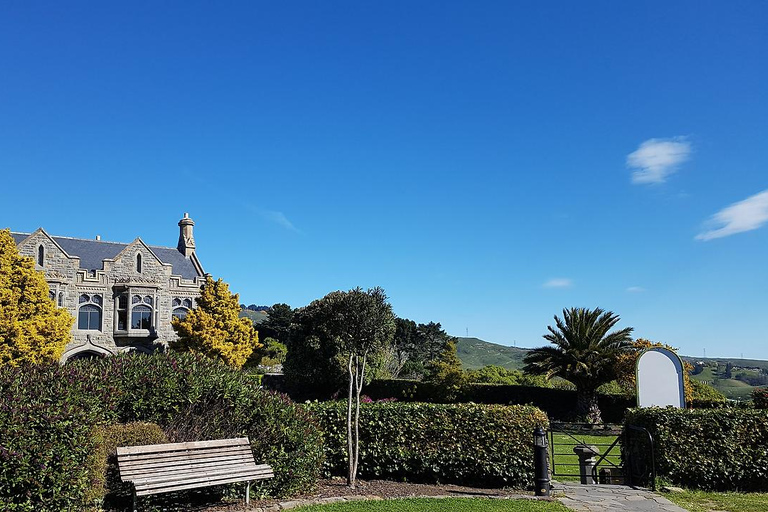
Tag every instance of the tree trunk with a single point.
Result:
(587, 406)
(359, 379)
(350, 454)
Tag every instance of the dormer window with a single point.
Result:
(138, 263)
(40, 255)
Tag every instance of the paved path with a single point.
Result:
(606, 498)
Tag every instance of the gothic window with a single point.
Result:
(89, 313)
(138, 263)
(181, 307)
(52, 294)
(180, 313)
(61, 299)
(40, 255)
(141, 317)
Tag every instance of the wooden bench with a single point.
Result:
(159, 468)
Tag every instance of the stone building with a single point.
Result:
(122, 296)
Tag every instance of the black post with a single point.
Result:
(541, 462)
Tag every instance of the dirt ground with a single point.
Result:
(331, 488)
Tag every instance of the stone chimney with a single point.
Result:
(186, 240)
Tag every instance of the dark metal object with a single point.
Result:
(541, 462)
(637, 471)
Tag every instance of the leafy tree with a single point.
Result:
(32, 328)
(446, 372)
(271, 353)
(278, 323)
(416, 345)
(703, 392)
(584, 353)
(213, 328)
(346, 328)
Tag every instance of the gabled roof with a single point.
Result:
(92, 253)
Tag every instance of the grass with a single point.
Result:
(704, 501)
(566, 463)
(440, 504)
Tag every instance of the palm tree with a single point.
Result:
(584, 353)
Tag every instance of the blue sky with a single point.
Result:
(487, 164)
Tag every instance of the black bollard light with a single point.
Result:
(541, 462)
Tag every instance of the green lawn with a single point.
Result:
(701, 501)
(435, 504)
(566, 464)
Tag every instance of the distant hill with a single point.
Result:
(256, 316)
(476, 353)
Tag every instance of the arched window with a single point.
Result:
(61, 299)
(181, 307)
(180, 313)
(89, 313)
(138, 263)
(40, 255)
(141, 317)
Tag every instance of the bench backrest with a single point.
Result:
(176, 466)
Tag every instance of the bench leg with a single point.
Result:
(248, 494)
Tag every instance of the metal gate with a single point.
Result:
(606, 440)
(623, 455)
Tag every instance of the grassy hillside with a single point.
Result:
(476, 353)
(256, 316)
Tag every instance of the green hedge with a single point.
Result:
(713, 449)
(471, 444)
(559, 404)
(46, 416)
(760, 398)
(49, 416)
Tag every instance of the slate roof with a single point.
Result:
(92, 253)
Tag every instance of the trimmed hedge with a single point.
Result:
(559, 404)
(470, 444)
(46, 416)
(713, 449)
(760, 398)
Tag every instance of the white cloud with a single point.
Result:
(280, 219)
(558, 282)
(746, 215)
(635, 289)
(656, 159)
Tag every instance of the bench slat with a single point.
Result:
(153, 448)
(155, 472)
(182, 453)
(191, 476)
(182, 462)
(195, 485)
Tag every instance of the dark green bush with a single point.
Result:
(105, 477)
(716, 449)
(46, 416)
(484, 445)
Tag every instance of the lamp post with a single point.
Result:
(541, 462)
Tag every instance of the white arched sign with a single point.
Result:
(660, 379)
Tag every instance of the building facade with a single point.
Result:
(122, 296)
